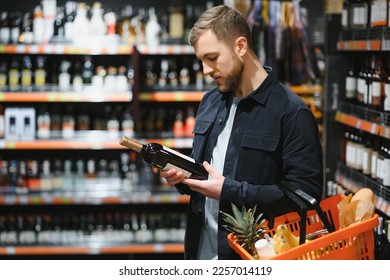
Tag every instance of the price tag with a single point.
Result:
(358, 123)
(10, 250)
(158, 248)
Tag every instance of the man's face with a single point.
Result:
(219, 61)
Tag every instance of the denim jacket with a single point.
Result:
(274, 138)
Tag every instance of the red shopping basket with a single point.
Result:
(355, 242)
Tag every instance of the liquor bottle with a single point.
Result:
(127, 123)
(351, 85)
(3, 76)
(122, 82)
(152, 29)
(38, 25)
(70, 13)
(83, 121)
(64, 76)
(196, 68)
(40, 73)
(43, 123)
(77, 81)
(189, 123)
(68, 123)
(26, 34)
(386, 165)
(5, 31)
(15, 26)
(2, 121)
(67, 179)
(14, 75)
(377, 85)
(81, 23)
(184, 76)
(79, 178)
(150, 74)
(162, 79)
(172, 74)
(165, 158)
(26, 74)
(87, 70)
(178, 125)
(176, 22)
(345, 15)
(97, 25)
(386, 101)
(46, 178)
(59, 23)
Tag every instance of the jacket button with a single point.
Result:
(220, 121)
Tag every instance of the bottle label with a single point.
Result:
(386, 172)
(40, 77)
(386, 105)
(350, 87)
(171, 166)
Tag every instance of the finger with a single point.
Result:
(209, 168)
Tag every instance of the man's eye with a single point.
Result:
(212, 58)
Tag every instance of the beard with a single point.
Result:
(232, 79)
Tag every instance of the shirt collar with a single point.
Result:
(264, 90)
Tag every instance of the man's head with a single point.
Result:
(226, 23)
(221, 39)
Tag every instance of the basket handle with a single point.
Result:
(303, 200)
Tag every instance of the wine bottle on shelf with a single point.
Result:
(165, 158)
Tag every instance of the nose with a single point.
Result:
(206, 69)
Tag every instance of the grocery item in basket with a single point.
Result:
(356, 208)
(265, 247)
(247, 226)
(284, 239)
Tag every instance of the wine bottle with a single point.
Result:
(166, 158)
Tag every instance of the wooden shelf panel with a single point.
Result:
(88, 96)
(86, 250)
(63, 49)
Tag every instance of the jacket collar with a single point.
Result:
(265, 88)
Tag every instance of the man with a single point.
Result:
(251, 133)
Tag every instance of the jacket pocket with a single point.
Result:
(260, 142)
(258, 160)
(201, 130)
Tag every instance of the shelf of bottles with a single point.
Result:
(365, 119)
(89, 231)
(354, 180)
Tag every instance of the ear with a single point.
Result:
(241, 45)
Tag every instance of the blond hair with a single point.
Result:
(226, 23)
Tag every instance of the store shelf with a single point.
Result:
(92, 250)
(305, 89)
(357, 123)
(165, 50)
(64, 49)
(90, 95)
(354, 181)
(93, 140)
(360, 45)
(95, 198)
(171, 96)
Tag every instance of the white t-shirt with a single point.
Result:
(209, 235)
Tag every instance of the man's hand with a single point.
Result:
(210, 188)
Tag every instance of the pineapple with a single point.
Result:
(246, 226)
